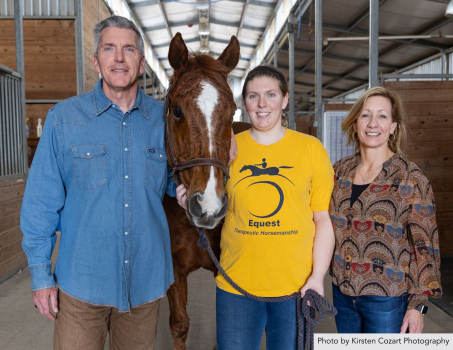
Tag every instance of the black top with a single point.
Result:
(357, 190)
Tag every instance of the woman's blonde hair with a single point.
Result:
(398, 115)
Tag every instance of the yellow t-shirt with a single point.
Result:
(267, 238)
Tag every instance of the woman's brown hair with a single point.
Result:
(270, 72)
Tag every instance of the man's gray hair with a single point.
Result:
(117, 22)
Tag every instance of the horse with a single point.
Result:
(199, 112)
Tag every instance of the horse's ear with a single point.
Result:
(230, 56)
(177, 54)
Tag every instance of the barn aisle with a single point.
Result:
(22, 328)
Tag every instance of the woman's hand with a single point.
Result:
(233, 148)
(315, 283)
(181, 195)
(413, 320)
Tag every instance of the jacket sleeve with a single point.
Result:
(44, 197)
(424, 274)
(171, 186)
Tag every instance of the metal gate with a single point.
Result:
(12, 138)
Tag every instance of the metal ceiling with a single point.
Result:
(344, 63)
(246, 19)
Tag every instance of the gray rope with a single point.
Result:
(317, 302)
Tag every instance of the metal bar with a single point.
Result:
(41, 101)
(80, 69)
(7, 130)
(5, 69)
(241, 22)
(318, 69)
(340, 99)
(390, 37)
(374, 44)
(3, 127)
(292, 120)
(41, 17)
(13, 117)
(275, 54)
(417, 76)
(20, 68)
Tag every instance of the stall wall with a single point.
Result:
(429, 106)
(93, 12)
(11, 254)
(49, 58)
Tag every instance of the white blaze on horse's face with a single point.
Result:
(207, 102)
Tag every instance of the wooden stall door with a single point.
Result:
(429, 106)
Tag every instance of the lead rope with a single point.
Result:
(318, 303)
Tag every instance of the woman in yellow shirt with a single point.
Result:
(277, 238)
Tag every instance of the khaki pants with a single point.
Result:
(83, 326)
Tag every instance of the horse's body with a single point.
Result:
(199, 110)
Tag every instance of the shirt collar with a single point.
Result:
(102, 103)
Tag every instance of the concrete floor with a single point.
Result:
(23, 328)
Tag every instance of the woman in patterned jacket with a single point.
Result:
(386, 260)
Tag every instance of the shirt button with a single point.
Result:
(126, 233)
(124, 123)
(113, 106)
(161, 155)
(125, 149)
(126, 177)
(126, 261)
(88, 154)
(126, 205)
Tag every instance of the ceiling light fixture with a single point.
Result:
(449, 11)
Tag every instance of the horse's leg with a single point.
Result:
(179, 319)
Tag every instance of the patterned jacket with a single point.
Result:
(387, 243)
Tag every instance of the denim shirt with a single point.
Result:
(104, 172)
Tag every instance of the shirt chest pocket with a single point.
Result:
(156, 168)
(90, 165)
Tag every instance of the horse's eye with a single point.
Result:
(177, 112)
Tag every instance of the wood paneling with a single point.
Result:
(431, 122)
(92, 12)
(429, 106)
(10, 236)
(419, 85)
(49, 57)
(12, 263)
(11, 254)
(11, 192)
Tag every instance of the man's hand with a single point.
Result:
(233, 148)
(41, 299)
(181, 196)
(413, 319)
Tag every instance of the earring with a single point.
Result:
(356, 136)
(394, 137)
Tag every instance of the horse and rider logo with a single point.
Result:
(262, 169)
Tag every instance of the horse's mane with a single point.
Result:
(203, 65)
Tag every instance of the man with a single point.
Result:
(101, 166)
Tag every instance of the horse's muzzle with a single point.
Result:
(200, 217)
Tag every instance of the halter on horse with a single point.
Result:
(198, 113)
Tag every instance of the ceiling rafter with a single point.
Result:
(250, 2)
(339, 57)
(435, 26)
(195, 21)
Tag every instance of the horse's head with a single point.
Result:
(200, 108)
(245, 167)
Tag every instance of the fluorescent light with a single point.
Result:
(449, 11)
